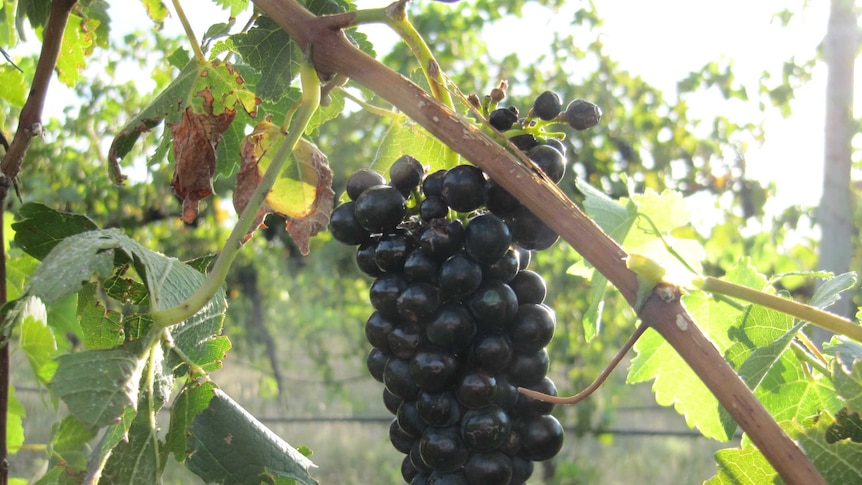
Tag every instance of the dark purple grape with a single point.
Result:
(376, 362)
(582, 114)
(452, 327)
(504, 269)
(487, 238)
(502, 118)
(541, 437)
(385, 291)
(391, 401)
(507, 393)
(391, 252)
(549, 160)
(399, 381)
(400, 439)
(524, 142)
(447, 478)
(527, 369)
(404, 340)
(409, 420)
(365, 258)
(417, 302)
(499, 201)
(345, 227)
(433, 184)
(362, 179)
(405, 174)
(493, 467)
(380, 208)
(460, 275)
(442, 238)
(439, 409)
(476, 389)
(434, 371)
(527, 405)
(464, 188)
(533, 327)
(377, 330)
(420, 266)
(494, 304)
(433, 207)
(557, 145)
(528, 231)
(423, 477)
(492, 352)
(522, 470)
(529, 286)
(408, 471)
(525, 257)
(442, 449)
(547, 105)
(416, 458)
(485, 429)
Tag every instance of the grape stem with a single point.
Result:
(816, 316)
(639, 331)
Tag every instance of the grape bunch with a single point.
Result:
(459, 322)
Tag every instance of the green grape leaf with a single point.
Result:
(14, 86)
(79, 39)
(41, 228)
(18, 272)
(63, 320)
(844, 349)
(101, 327)
(156, 10)
(97, 385)
(742, 466)
(61, 475)
(192, 399)
(403, 137)
(675, 383)
(269, 50)
(69, 442)
(208, 89)
(302, 193)
(848, 425)
(114, 435)
(15, 415)
(830, 291)
(226, 444)
(73, 261)
(236, 6)
(37, 339)
(838, 462)
(136, 459)
(848, 383)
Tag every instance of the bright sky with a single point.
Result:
(662, 41)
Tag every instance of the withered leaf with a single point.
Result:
(196, 137)
(302, 194)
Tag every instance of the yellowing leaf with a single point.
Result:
(302, 193)
(79, 37)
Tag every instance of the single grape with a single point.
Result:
(582, 114)
(433, 207)
(527, 405)
(528, 231)
(433, 183)
(377, 330)
(442, 449)
(487, 238)
(549, 160)
(439, 409)
(460, 275)
(452, 327)
(541, 437)
(464, 188)
(345, 227)
(499, 201)
(442, 238)
(417, 302)
(533, 327)
(447, 478)
(485, 429)
(404, 340)
(380, 208)
(504, 269)
(376, 363)
(409, 420)
(420, 266)
(408, 471)
(522, 470)
(400, 439)
(529, 286)
(493, 305)
(361, 180)
(391, 401)
(399, 381)
(492, 352)
(528, 369)
(547, 105)
(391, 252)
(493, 467)
(365, 258)
(556, 144)
(476, 389)
(502, 118)
(434, 371)
(385, 291)
(405, 174)
(524, 142)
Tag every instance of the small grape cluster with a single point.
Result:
(459, 321)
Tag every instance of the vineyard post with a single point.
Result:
(334, 54)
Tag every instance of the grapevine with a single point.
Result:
(459, 321)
